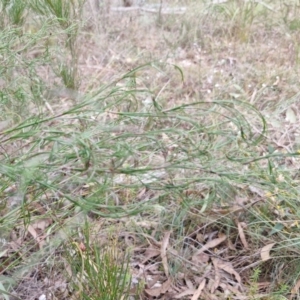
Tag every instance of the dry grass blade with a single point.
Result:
(242, 235)
(199, 290)
(185, 293)
(164, 246)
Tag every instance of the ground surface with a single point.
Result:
(186, 167)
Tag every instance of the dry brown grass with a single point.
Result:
(194, 245)
(222, 56)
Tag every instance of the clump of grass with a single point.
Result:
(99, 271)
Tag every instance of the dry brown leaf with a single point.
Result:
(146, 224)
(175, 289)
(212, 244)
(15, 245)
(209, 236)
(230, 288)
(227, 267)
(217, 275)
(200, 237)
(201, 257)
(141, 193)
(149, 253)
(257, 191)
(32, 231)
(151, 280)
(211, 297)
(157, 291)
(241, 201)
(295, 289)
(164, 246)
(264, 284)
(189, 284)
(226, 211)
(42, 224)
(185, 293)
(151, 240)
(265, 251)
(153, 269)
(37, 208)
(199, 290)
(39, 239)
(242, 235)
(230, 245)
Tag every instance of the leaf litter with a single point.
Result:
(210, 268)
